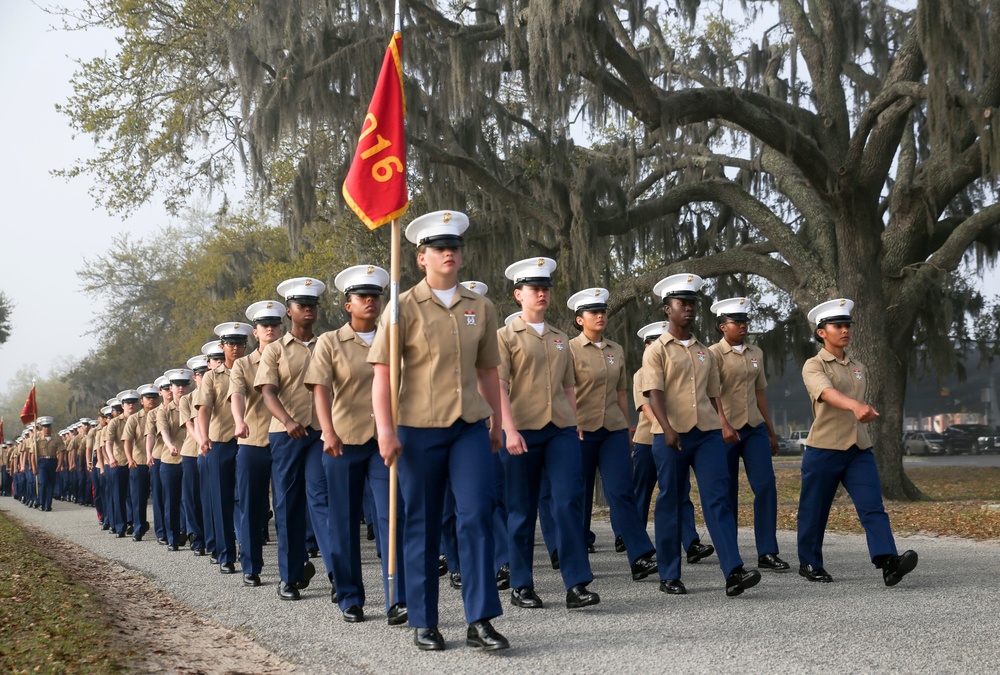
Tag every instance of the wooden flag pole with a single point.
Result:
(393, 397)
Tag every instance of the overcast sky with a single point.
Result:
(49, 226)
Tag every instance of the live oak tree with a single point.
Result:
(793, 150)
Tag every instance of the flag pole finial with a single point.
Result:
(397, 27)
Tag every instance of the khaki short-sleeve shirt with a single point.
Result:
(283, 364)
(688, 379)
(835, 429)
(113, 434)
(186, 413)
(168, 417)
(340, 363)
(48, 448)
(539, 369)
(643, 428)
(152, 428)
(135, 431)
(600, 375)
(740, 376)
(440, 349)
(214, 395)
(100, 441)
(255, 414)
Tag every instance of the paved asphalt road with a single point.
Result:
(943, 618)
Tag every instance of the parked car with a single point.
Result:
(797, 441)
(971, 438)
(783, 448)
(924, 443)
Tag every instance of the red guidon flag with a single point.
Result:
(30, 410)
(375, 187)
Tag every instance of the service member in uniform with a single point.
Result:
(134, 439)
(252, 420)
(682, 384)
(602, 418)
(114, 452)
(749, 432)
(218, 432)
(296, 447)
(173, 463)
(839, 451)
(47, 449)
(196, 497)
(154, 454)
(643, 466)
(102, 479)
(448, 389)
(538, 400)
(213, 357)
(340, 378)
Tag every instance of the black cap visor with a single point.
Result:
(309, 300)
(537, 282)
(443, 241)
(364, 289)
(835, 319)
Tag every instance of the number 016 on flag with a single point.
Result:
(375, 187)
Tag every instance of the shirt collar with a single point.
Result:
(827, 356)
(422, 292)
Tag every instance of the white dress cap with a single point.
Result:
(149, 390)
(128, 395)
(589, 299)
(199, 362)
(303, 290)
(438, 229)
(179, 375)
(737, 307)
(113, 402)
(213, 349)
(362, 280)
(510, 319)
(45, 421)
(679, 286)
(161, 382)
(477, 287)
(651, 331)
(831, 311)
(532, 272)
(234, 331)
(266, 312)
(84, 420)
(106, 411)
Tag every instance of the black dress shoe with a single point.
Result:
(456, 580)
(354, 614)
(699, 551)
(526, 598)
(643, 566)
(578, 596)
(200, 552)
(162, 541)
(313, 552)
(128, 529)
(173, 547)
(121, 535)
(815, 574)
(739, 580)
(442, 566)
(212, 559)
(619, 544)
(370, 534)
(898, 567)
(137, 538)
(398, 615)
(308, 572)
(251, 580)
(428, 639)
(184, 539)
(771, 561)
(287, 591)
(503, 577)
(483, 635)
(673, 587)
(591, 548)
(227, 568)
(555, 560)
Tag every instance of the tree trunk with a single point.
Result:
(874, 342)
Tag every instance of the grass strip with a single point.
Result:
(48, 624)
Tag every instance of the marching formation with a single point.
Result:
(497, 427)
